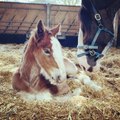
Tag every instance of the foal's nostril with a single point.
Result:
(58, 79)
(90, 69)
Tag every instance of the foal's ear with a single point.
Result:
(56, 29)
(40, 29)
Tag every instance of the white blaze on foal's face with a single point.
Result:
(58, 56)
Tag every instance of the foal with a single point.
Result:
(43, 66)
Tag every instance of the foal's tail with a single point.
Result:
(85, 22)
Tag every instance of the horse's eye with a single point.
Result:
(47, 51)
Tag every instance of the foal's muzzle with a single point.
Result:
(57, 76)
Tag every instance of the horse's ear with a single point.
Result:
(40, 29)
(56, 29)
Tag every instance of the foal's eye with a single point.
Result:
(47, 51)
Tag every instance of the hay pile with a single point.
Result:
(89, 105)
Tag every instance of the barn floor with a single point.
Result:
(91, 104)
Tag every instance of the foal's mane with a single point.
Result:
(27, 57)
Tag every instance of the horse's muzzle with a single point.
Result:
(90, 69)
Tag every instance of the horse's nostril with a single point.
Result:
(90, 69)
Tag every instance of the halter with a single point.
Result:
(91, 49)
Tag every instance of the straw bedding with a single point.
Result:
(86, 103)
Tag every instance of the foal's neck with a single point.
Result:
(28, 60)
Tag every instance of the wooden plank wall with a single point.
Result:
(21, 18)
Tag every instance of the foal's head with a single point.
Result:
(47, 52)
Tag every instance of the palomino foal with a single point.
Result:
(43, 66)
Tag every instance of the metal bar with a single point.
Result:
(21, 23)
(73, 11)
(13, 30)
(9, 23)
(70, 33)
(53, 17)
(57, 11)
(32, 27)
(15, 26)
(32, 23)
(3, 14)
(48, 15)
(71, 25)
(24, 32)
(16, 22)
(70, 29)
(64, 17)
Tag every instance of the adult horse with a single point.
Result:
(43, 67)
(91, 48)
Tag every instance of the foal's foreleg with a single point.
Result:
(19, 84)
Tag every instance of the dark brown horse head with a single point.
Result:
(92, 44)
